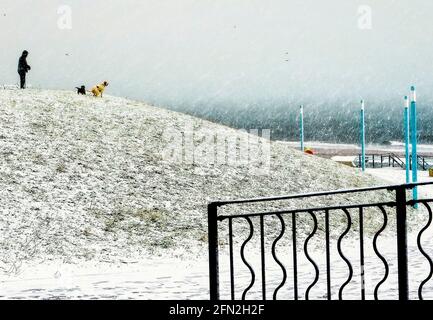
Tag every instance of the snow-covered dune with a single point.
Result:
(83, 178)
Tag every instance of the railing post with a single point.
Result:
(403, 283)
(213, 251)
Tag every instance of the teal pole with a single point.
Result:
(362, 136)
(301, 126)
(406, 137)
(413, 134)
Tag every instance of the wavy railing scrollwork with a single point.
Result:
(376, 251)
(340, 252)
(420, 288)
(253, 275)
(307, 255)
(274, 255)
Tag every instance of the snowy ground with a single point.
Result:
(157, 279)
(398, 176)
(85, 179)
(92, 209)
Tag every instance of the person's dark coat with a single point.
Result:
(23, 66)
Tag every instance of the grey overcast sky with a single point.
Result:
(188, 51)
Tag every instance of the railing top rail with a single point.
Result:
(386, 154)
(337, 207)
(318, 194)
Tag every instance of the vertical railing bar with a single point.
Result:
(213, 252)
(262, 242)
(328, 256)
(403, 282)
(232, 273)
(361, 249)
(295, 258)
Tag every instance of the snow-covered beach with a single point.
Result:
(91, 209)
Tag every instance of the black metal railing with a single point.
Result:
(378, 160)
(422, 162)
(397, 203)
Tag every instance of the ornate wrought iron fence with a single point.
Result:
(398, 204)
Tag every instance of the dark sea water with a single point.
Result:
(336, 123)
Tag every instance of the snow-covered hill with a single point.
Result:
(86, 179)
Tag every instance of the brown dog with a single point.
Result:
(98, 90)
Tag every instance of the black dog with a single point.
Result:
(81, 90)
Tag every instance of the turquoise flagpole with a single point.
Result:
(406, 137)
(301, 126)
(414, 141)
(362, 136)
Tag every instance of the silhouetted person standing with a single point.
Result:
(23, 68)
